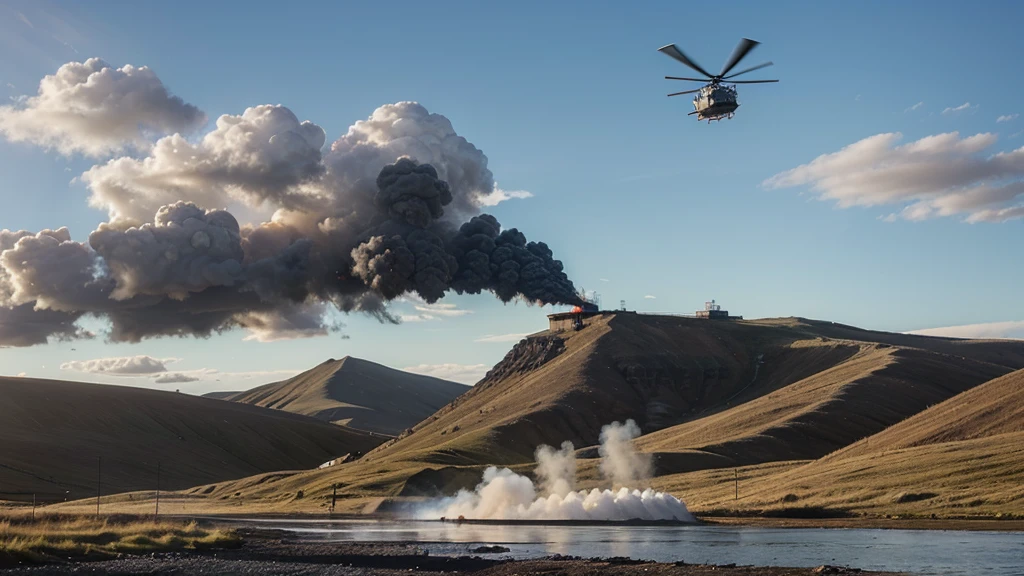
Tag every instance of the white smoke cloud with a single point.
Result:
(261, 156)
(120, 366)
(408, 129)
(621, 464)
(556, 469)
(936, 176)
(505, 495)
(95, 109)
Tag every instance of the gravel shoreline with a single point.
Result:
(266, 553)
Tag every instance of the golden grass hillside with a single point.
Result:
(721, 394)
(357, 393)
(962, 457)
(53, 432)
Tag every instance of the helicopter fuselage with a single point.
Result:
(715, 102)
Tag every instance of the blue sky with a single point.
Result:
(567, 100)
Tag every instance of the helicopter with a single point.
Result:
(716, 100)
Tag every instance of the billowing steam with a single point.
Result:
(505, 495)
(256, 224)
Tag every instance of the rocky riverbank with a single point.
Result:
(267, 553)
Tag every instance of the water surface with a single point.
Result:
(946, 553)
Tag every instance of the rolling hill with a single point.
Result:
(766, 395)
(964, 456)
(54, 431)
(358, 394)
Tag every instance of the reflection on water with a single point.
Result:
(917, 551)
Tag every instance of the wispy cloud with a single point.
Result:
(1007, 118)
(650, 297)
(491, 338)
(966, 106)
(464, 373)
(936, 176)
(175, 378)
(25, 19)
(1011, 330)
(605, 280)
(914, 107)
(425, 312)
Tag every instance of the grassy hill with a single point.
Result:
(964, 456)
(767, 396)
(53, 432)
(358, 394)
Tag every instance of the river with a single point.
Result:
(932, 552)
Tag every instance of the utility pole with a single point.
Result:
(157, 513)
(99, 484)
(33, 507)
(334, 497)
(736, 478)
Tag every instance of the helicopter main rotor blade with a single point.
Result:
(674, 52)
(751, 81)
(691, 79)
(742, 49)
(686, 92)
(758, 67)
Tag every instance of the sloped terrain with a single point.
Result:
(964, 456)
(708, 395)
(358, 394)
(53, 432)
(876, 388)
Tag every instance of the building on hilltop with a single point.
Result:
(713, 311)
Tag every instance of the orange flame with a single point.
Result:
(577, 309)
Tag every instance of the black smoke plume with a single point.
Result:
(258, 225)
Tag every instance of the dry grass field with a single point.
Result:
(49, 538)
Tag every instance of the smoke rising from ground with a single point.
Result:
(257, 225)
(621, 464)
(505, 495)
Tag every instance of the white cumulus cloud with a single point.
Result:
(936, 176)
(120, 366)
(93, 108)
